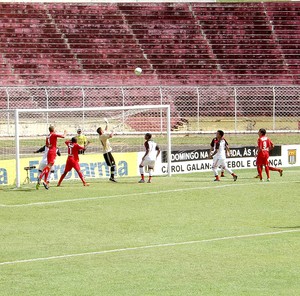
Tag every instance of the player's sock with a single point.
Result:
(259, 170)
(39, 178)
(41, 175)
(50, 176)
(228, 170)
(222, 174)
(276, 170)
(61, 178)
(112, 172)
(45, 172)
(81, 177)
(142, 173)
(150, 175)
(267, 171)
(215, 170)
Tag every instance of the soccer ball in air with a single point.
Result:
(138, 71)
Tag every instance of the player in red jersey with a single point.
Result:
(73, 160)
(51, 143)
(264, 145)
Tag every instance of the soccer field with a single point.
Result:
(184, 235)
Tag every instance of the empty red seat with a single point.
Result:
(174, 43)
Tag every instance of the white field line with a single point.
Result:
(148, 247)
(42, 203)
(123, 195)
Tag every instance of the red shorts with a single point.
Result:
(51, 156)
(262, 159)
(72, 164)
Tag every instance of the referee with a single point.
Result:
(81, 140)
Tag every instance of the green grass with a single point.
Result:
(183, 208)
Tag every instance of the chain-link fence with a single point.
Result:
(193, 109)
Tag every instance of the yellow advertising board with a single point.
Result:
(92, 166)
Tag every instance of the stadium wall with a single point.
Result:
(240, 158)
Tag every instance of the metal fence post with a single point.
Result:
(7, 106)
(47, 105)
(123, 104)
(274, 108)
(235, 109)
(161, 114)
(83, 105)
(198, 108)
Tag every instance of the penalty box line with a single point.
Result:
(148, 247)
(124, 195)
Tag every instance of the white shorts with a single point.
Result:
(148, 163)
(42, 164)
(219, 163)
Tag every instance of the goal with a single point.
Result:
(129, 125)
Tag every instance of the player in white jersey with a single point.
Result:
(218, 153)
(43, 162)
(212, 148)
(104, 137)
(148, 160)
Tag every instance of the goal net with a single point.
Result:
(129, 124)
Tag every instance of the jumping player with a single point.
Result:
(104, 137)
(51, 144)
(44, 161)
(218, 153)
(73, 160)
(264, 145)
(148, 160)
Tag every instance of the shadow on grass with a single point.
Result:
(23, 189)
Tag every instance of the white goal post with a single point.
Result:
(126, 121)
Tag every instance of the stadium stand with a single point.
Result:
(285, 21)
(50, 44)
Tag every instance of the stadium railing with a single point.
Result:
(202, 109)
